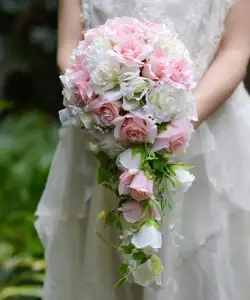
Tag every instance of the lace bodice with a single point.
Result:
(199, 23)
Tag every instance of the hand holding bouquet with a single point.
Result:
(129, 85)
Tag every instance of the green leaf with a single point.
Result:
(123, 269)
(140, 256)
(163, 126)
(182, 166)
(127, 249)
(103, 176)
(111, 219)
(138, 149)
(120, 226)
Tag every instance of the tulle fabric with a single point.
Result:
(212, 262)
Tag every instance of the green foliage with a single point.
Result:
(27, 144)
(123, 269)
(140, 255)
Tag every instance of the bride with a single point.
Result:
(213, 261)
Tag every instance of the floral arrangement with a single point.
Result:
(129, 85)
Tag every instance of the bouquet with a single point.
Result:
(129, 86)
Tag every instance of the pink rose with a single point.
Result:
(125, 27)
(127, 176)
(176, 137)
(157, 68)
(134, 51)
(135, 128)
(131, 211)
(81, 92)
(108, 112)
(141, 187)
(182, 76)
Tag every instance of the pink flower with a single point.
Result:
(78, 65)
(131, 211)
(135, 183)
(141, 187)
(125, 27)
(176, 137)
(108, 112)
(157, 68)
(134, 51)
(127, 176)
(182, 76)
(135, 128)
(154, 28)
(81, 92)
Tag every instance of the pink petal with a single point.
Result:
(131, 211)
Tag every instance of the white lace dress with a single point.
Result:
(213, 261)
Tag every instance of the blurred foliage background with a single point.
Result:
(30, 96)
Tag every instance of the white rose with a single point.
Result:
(104, 73)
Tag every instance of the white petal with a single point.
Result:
(143, 275)
(147, 236)
(129, 161)
(86, 120)
(130, 105)
(111, 96)
(185, 178)
(123, 189)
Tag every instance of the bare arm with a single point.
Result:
(230, 64)
(69, 30)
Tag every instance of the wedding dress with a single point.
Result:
(212, 261)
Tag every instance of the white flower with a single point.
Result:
(149, 272)
(185, 178)
(162, 104)
(147, 236)
(128, 73)
(100, 43)
(129, 161)
(104, 73)
(133, 91)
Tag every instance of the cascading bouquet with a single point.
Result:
(129, 85)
